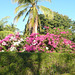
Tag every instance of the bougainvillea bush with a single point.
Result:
(48, 43)
(12, 43)
(66, 33)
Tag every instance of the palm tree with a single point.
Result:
(30, 8)
(3, 21)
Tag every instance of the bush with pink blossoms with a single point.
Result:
(49, 43)
(12, 43)
(66, 33)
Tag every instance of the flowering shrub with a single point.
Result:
(66, 33)
(38, 43)
(49, 43)
(3, 34)
(12, 43)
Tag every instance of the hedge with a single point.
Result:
(12, 63)
(3, 34)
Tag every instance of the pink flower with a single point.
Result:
(54, 46)
(1, 41)
(20, 51)
(7, 50)
(43, 50)
(52, 49)
(47, 52)
(30, 48)
(0, 48)
(59, 29)
(63, 32)
(67, 31)
(17, 33)
(39, 49)
(54, 28)
(74, 49)
(46, 27)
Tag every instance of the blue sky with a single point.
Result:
(64, 7)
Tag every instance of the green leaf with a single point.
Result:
(20, 14)
(20, 7)
(47, 12)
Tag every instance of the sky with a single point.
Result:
(64, 7)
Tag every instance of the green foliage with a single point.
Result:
(7, 27)
(3, 34)
(37, 64)
(73, 26)
(73, 37)
(58, 31)
(3, 21)
(58, 21)
(11, 27)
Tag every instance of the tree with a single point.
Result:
(59, 20)
(7, 27)
(30, 9)
(73, 26)
(11, 27)
(3, 21)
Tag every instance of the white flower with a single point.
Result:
(12, 37)
(13, 49)
(21, 39)
(47, 48)
(16, 43)
(2, 50)
(23, 50)
(4, 43)
(34, 42)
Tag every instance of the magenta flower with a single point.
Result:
(63, 32)
(54, 28)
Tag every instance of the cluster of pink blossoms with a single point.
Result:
(49, 43)
(46, 27)
(10, 43)
(37, 43)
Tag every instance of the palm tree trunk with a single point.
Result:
(35, 25)
(30, 23)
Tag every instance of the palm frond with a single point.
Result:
(21, 1)
(5, 18)
(20, 14)
(20, 7)
(27, 13)
(42, 0)
(47, 12)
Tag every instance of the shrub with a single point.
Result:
(12, 43)
(49, 43)
(57, 42)
(3, 34)
(37, 63)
